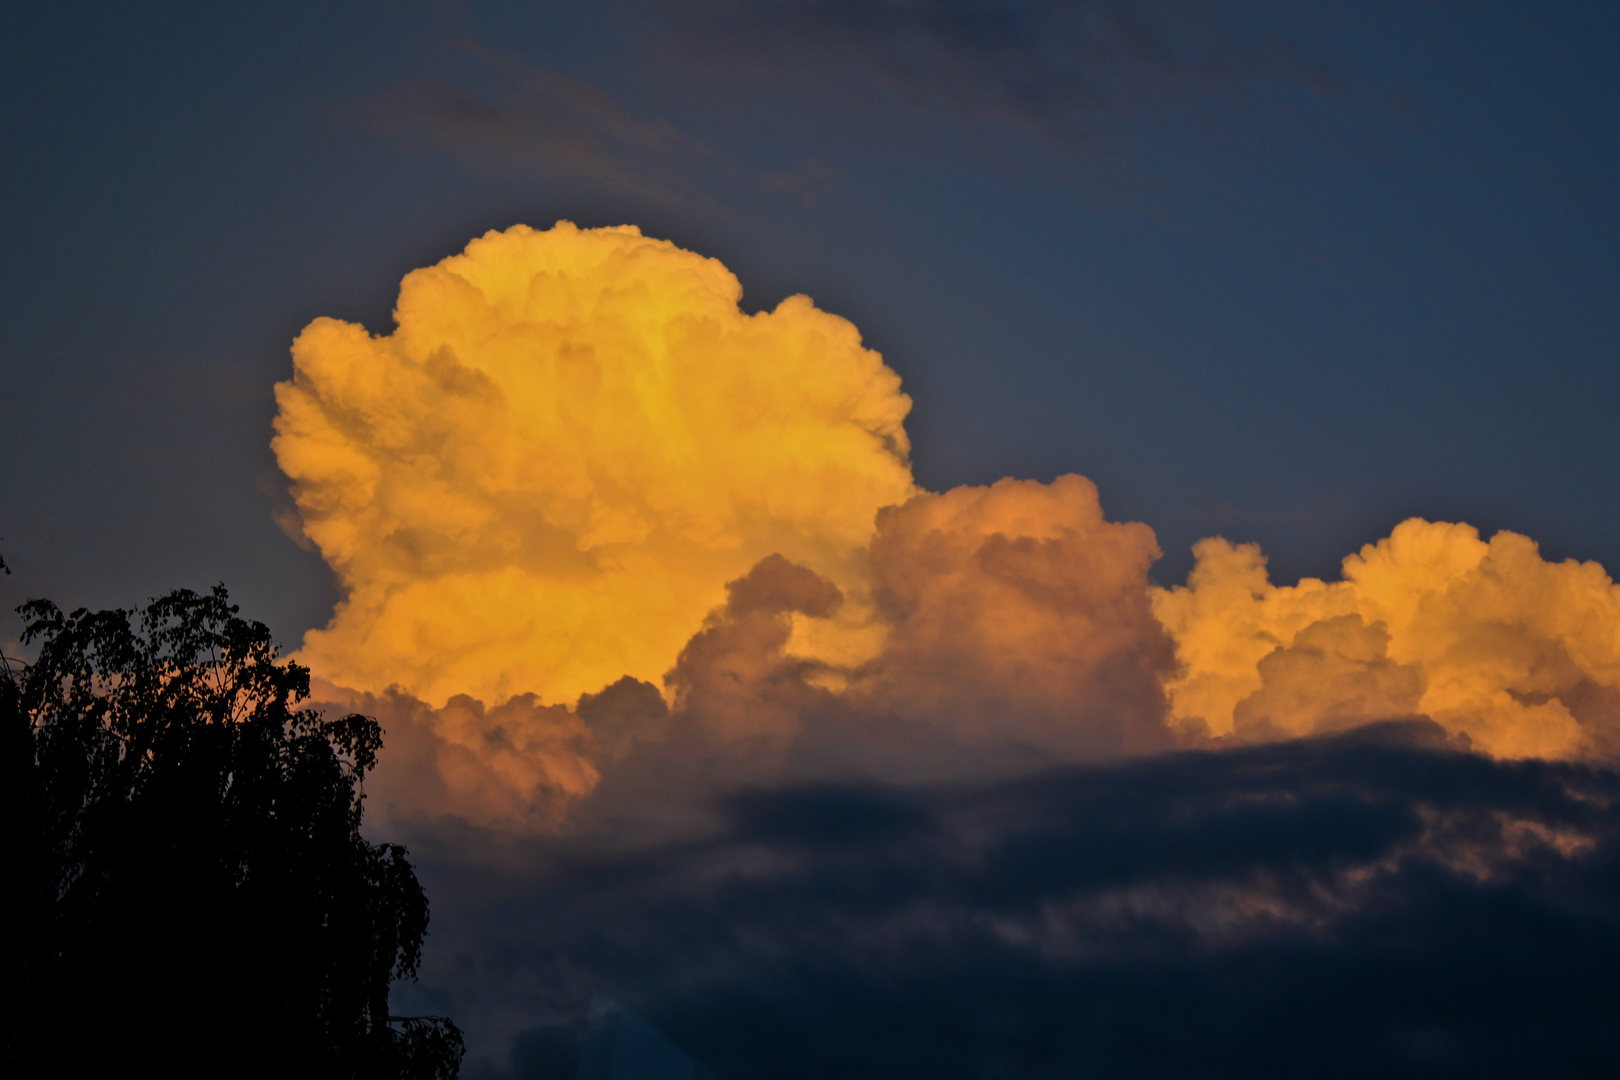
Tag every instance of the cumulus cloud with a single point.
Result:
(1010, 615)
(1006, 627)
(542, 479)
(1519, 655)
(691, 696)
(517, 765)
(1018, 611)
(734, 677)
(607, 541)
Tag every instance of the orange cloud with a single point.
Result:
(542, 479)
(1012, 616)
(518, 765)
(1519, 654)
(1018, 612)
(593, 520)
(734, 677)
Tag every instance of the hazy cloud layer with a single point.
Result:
(1368, 905)
(1060, 69)
(532, 120)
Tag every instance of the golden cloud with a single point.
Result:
(1489, 639)
(577, 471)
(543, 478)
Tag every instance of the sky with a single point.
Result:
(987, 747)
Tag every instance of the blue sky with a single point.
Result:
(1288, 278)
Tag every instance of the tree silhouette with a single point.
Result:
(188, 886)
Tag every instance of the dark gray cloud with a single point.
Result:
(1059, 68)
(1374, 904)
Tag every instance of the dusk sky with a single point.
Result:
(906, 774)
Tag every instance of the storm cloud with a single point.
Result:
(1377, 903)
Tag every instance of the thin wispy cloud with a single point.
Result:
(518, 118)
(1065, 71)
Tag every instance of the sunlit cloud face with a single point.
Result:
(543, 478)
(593, 520)
(1490, 640)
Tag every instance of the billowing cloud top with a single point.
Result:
(1520, 655)
(601, 534)
(542, 479)
(1018, 611)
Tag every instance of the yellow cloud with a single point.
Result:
(542, 479)
(1489, 639)
(577, 471)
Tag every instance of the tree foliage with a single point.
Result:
(190, 886)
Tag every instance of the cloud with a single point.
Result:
(808, 182)
(734, 677)
(1006, 618)
(1059, 69)
(693, 698)
(1520, 655)
(542, 479)
(1003, 628)
(606, 540)
(1374, 904)
(1018, 612)
(516, 766)
(534, 120)
(1011, 628)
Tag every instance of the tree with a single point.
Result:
(189, 886)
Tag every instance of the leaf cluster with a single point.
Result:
(192, 885)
